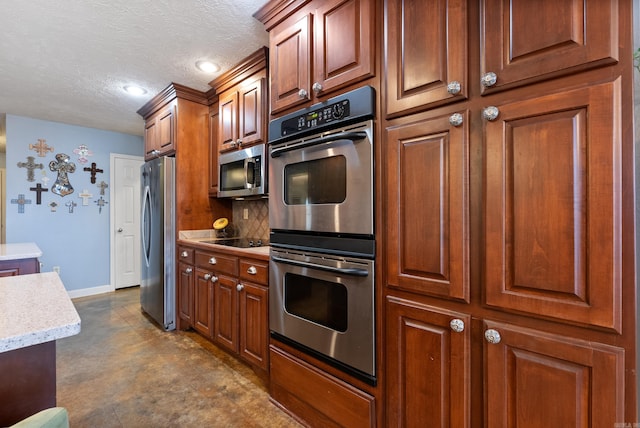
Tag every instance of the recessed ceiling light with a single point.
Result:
(134, 90)
(207, 66)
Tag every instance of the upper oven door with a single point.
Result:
(324, 183)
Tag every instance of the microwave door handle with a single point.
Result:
(343, 271)
(353, 136)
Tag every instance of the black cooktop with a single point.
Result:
(238, 242)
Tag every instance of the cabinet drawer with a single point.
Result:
(217, 262)
(254, 271)
(185, 255)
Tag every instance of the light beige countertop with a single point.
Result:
(26, 250)
(35, 309)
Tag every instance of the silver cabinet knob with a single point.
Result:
(240, 287)
(302, 93)
(490, 113)
(456, 119)
(188, 270)
(317, 87)
(184, 254)
(454, 87)
(457, 325)
(233, 144)
(239, 143)
(207, 276)
(252, 270)
(155, 152)
(212, 261)
(489, 79)
(492, 336)
(214, 278)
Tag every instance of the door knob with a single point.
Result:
(492, 336)
(489, 79)
(119, 230)
(456, 119)
(490, 113)
(240, 287)
(454, 87)
(457, 325)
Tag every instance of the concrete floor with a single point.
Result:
(123, 371)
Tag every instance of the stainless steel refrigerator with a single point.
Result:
(157, 285)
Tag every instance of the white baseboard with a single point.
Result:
(84, 292)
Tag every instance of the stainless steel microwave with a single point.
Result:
(242, 173)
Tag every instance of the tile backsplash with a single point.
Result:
(257, 224)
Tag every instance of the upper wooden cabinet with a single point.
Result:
(425, 54)
(242, 105)
(553, 210)
(322, 47)
(213, 149)
(159, 132)
(523, 41)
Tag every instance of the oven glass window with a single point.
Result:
(320, 181)
(232, 176)
(316, 300)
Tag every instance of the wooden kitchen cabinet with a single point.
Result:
(242, 323)
(428, 365)
(426, 56)
(159, 133)
(324, 46)
(203, 303)
(242, 103)
(428, 208)
(19, 267)
(185, 283)
(213, 150)
(523, 41)
(521, 225)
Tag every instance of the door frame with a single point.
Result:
(112, 216)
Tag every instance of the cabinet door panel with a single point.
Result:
(166, 131)
(186, 280)
(213, 151)
(343, 40)
(250, 113)
(525, 40)
(535, 379)
(289, 63)
(254, 331)
(203, 301)
(427, 366)
(228, 129)
(427, 210)
(225, 315)
(150, 137)
(553, 211)
(425, 49)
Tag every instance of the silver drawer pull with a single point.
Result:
(212, 261)
(252, 270)
(184, 254)
(240, 287)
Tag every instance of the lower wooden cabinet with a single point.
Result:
(427, 366)
(225, 298)
(19, 267)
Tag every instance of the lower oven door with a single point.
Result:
(326, 304)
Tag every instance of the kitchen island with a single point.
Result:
(36, 311)
(19, 259)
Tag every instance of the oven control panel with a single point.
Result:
(316, 118)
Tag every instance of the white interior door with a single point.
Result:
(3, 190)
(125, 220)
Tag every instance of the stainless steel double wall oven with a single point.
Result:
(322, 297)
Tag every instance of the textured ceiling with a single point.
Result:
(67, 60)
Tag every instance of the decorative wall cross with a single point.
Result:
(45, 179)
(42, 148)
(21, 201)
(85, 195)
(62, 166)
(30, 164)
(93, 171)
(102, 185)
(38, 189)
(83, 151)
(71, 204)
(54, 206)
(101, 203)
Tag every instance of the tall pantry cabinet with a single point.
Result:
(509, 280)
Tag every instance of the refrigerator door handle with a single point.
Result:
(146, 224)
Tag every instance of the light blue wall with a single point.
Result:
(77, 242)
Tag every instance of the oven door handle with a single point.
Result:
(343, 271)
(353, 136)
